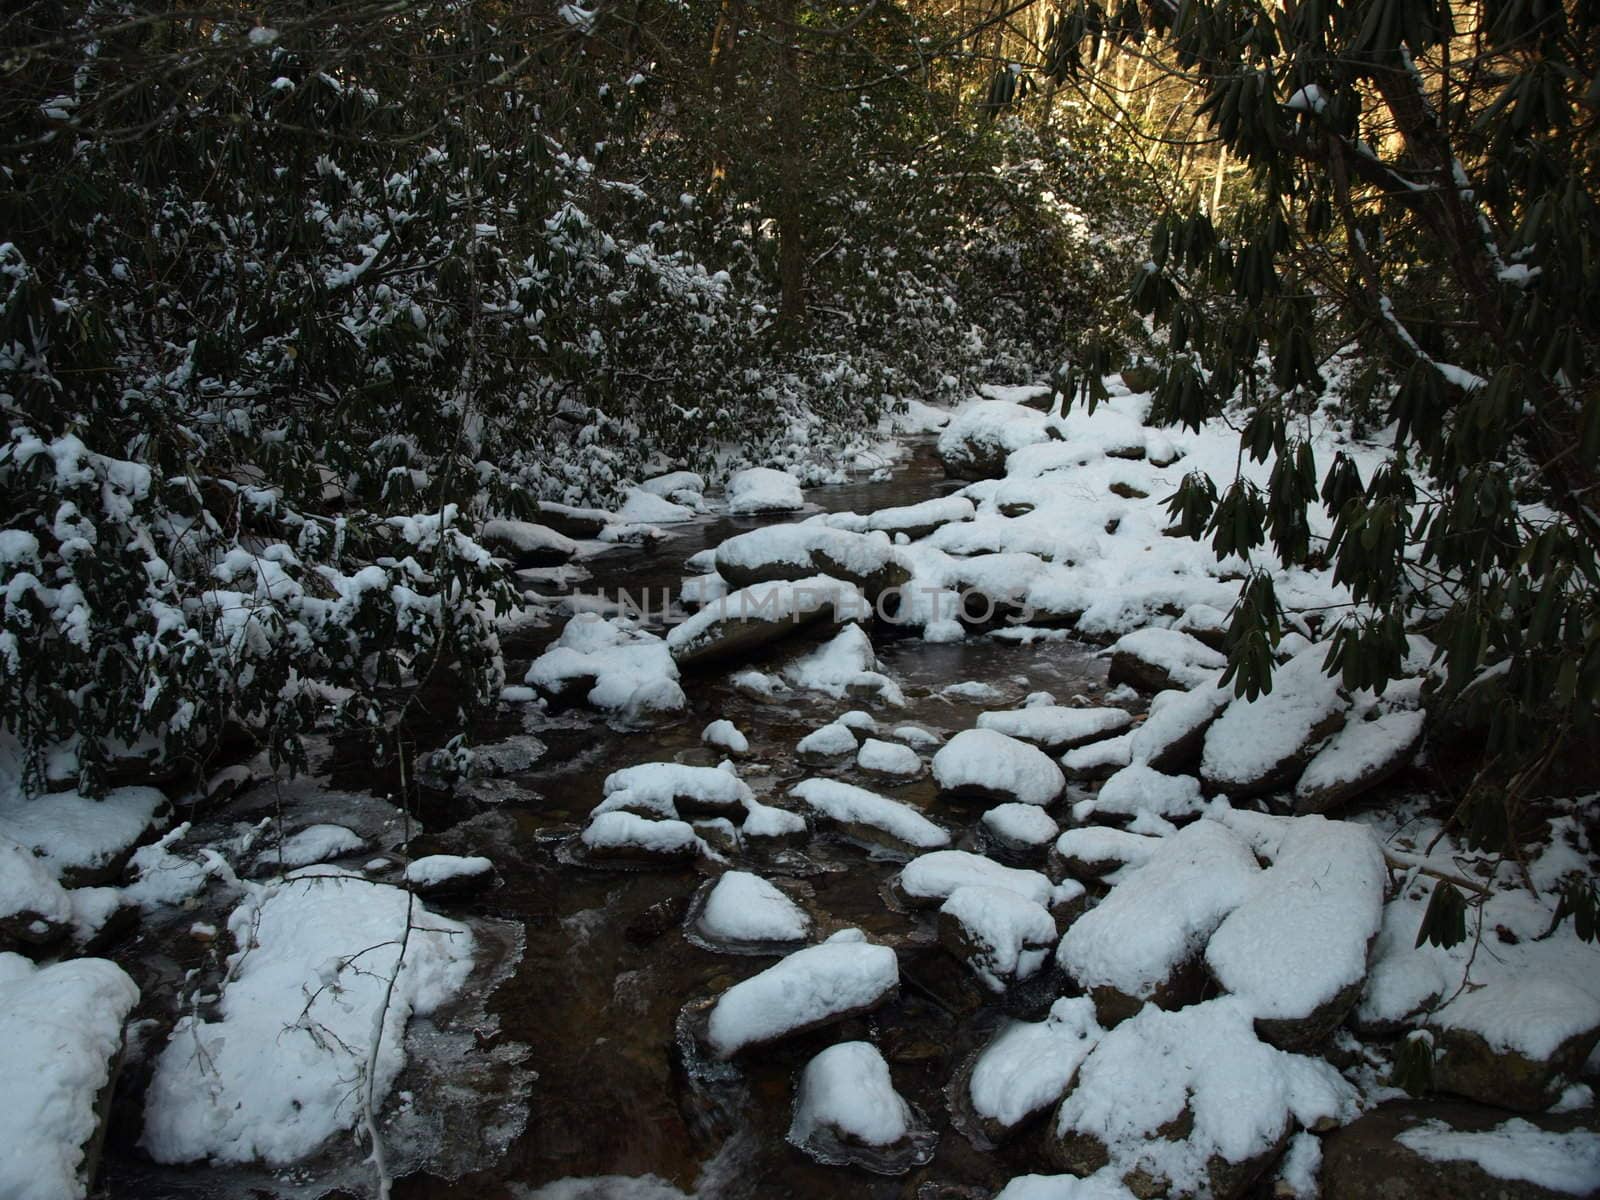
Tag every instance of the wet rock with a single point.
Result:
(1381, 1156)
(1515, 1043)
(977, 441)
(1152, 660)
(756, 616)
(787, 553)
(1357, 759)
(656, 920)
(527, 544)
(847, 1113)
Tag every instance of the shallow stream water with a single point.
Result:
(605, 968)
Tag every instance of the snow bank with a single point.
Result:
(282, 1066)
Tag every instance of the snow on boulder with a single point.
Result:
(867, 817)
(847, 1113)
(976, 442)
(919, 520)
(1054, 728)
(1003, 938)
(676, 789)
(1064, 1187)
(34, 908)
(785, 553)
(1153, 660)
(1257, 746)
(79, 840)
(929, 879)
(1144, 940)
(1174, 733)
(1358, 758)
(449, 874)
(1019, 834)
(1099, 760)
(527, 544)
(985, 765)
(574, 522)
(890, 759)
(833, 740)
(1515, 1042)
(724, 735)
(640, 507)
(60, 1038)
(614, 665)
(841, 978)
(1137, 789)
(763, 490)
(745, 910)
(269, 1077)
(1094, 852)
(1296, 950)
(846, 665)
(754, 616)
(313, 844)
(626, 837)
(769, 824)
(1028, 1066)
(1192, 1103)
(683, 487)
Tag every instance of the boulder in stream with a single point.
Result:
(847, 1113)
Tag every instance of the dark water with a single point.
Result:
(605, 968)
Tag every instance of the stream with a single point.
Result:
(580, 1034)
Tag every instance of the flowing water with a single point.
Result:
(605, 969)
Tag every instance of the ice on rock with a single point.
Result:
(60, 1034)
(808, 989)
(270, 1078)
(1055, 728)
(847, 1112)
(676, 789)
(1136, 944)
(78, 838)
(1029, 1065)
(869, 816)
(743, 907)
(622, 667)
(831, 740)
(1203, 1069)
(726, 736)
(984, 763)
(1257, 745)
(763, 490)
(1001, 936)
(888, 758)
(1137, 789)
(1296, 949)
(1020, 824)
(845, 665)
(930, 878)
(315, 844)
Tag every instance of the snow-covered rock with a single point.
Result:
(1054, 728)
(817, 986)
(725, 735)
(314, 844)
(930, 878)
(1100, 760)
(845, 665)
(847, 1113)
(673, 789)
(1019, 834)
(640, 507)
(1358, 758)
(449, 874)
(985, 765)
(620, 836)
(1144, 940)
(1296, 949)
(865, 816)
(833, 740)
(270, 1077)
(1174, 733)
(1028, 1066)
(755, 616)
(1137, 789)
(616, 667)
(1192, 1103)
(80, 840)
(1153, 660)
(785, 553)
(60, 1037)
(976, 442)
(574, 522)
(1094, 852)
(1514, 1042)
(527, 544)
(919, 520)
(1259, 745)
(1002, 937)
(34, 909)
(891, 759)
(744, 909)
(763, 490)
